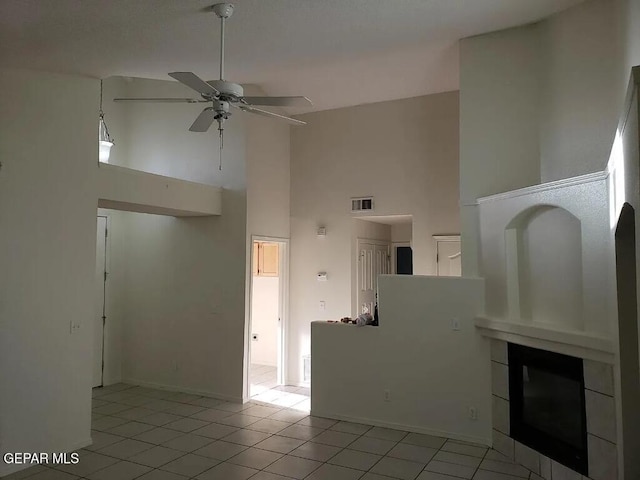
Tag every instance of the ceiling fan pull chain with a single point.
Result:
(221, 146)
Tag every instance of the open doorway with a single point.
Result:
(267, 315)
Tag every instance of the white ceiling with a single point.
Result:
(336, 52)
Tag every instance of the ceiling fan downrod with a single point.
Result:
(223, 11)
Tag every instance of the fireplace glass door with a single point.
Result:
(547, 406)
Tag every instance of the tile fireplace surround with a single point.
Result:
(601, 422)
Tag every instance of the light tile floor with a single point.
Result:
(263, 387)
(147, 434)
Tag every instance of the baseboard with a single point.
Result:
(175, 388)
(406, 428)
(9, 469)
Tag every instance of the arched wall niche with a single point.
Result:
(544, 267)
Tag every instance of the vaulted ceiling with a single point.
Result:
(337, 52)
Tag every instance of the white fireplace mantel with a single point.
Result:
(574, 343)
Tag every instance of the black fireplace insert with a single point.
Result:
(547, 409)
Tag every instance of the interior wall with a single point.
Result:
(551, 269)
(185, 277)
(432, 373)
(499, 112)
(268, 176)
(404, 153)
(401, 232)
(581, 88)
(630, 37)
(540, 102)
(48, 126)
(626, 257)
(184, 326)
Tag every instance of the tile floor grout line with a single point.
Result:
(299, 415)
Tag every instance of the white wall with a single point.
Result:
(581, 91)
(268, 193)
(540, 103)
(404, 153)
(255, 163)
(185, 277)
(499, 148)
(135, 191)
(434, 374)
(268, 176)
(48, 126)
(401, 232)
(264, 320)
(629, 33)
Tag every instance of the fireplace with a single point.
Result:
(547, 405)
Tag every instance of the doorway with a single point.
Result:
(100, 308)
(402, 259)
(373, 260)
(448, 256)
(267, 319)
(628, 337)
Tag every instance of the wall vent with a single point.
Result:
(362, 204)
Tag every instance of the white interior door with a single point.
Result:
(449, 258)
(99, 312)
(373, 260)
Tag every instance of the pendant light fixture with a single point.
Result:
(105, 142)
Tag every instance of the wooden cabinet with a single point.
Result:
(266, 260)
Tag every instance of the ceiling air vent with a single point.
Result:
(362, 204)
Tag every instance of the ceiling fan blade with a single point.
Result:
(193, 81)
(204, 120)
(257, 111)
(279, 101)
(160, 100)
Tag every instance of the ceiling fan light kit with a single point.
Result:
(224, 95)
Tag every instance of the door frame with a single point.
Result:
(283, 308)
(385, 243)
(443, 238)
(105, 290)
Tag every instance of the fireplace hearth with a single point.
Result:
(547, 405)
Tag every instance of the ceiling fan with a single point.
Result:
(224, 95)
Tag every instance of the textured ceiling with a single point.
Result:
(337, 52)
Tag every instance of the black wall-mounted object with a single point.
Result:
(547, 406)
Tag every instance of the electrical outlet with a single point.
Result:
(254, 337)
(387, 395)
(74, 327)
(473, 413)
(455, 324)
(323, 305)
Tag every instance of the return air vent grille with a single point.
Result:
(362, 204)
